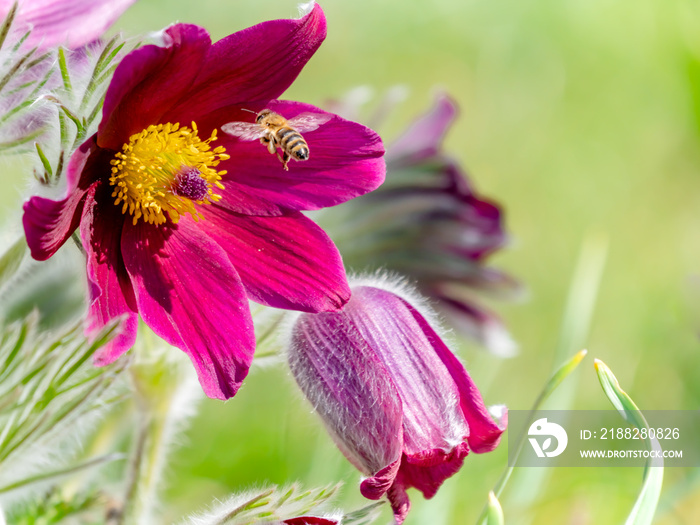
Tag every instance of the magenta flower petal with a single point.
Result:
(149, 81)
(380, 483)
(284, 262)
(192, 297)
(346, 160)
(310, 520)
(110, 290)
(71, 23)
(258, 63)
(429, 470)
(400, 504)
(48, 223)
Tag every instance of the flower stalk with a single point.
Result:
(165, 397)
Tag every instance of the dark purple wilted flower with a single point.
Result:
(427, 223)
(70, 23)
(184, 233)
(396, 400)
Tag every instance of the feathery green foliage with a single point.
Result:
(266, 505)
(49, 390)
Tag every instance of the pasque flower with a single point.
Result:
(183, 231)
(396, 400)
(428, 223)
(71, 23)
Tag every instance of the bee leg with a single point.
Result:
(284, 159)
(269, 145)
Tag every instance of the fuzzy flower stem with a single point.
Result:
(133, 504)
(165, 398)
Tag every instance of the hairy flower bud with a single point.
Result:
(396, 400)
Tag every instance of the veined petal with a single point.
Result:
(149, 81)
(338, 372)
(428, 471)
(424, 137)
(71, 23)
(376, 486)
(400, 504)
(48, 223)
(346, 160)
(257, 63)
(188, 292)
(284, 262)
(484, 432)
(110, 291)
(430, 399)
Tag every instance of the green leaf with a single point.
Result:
(7, 23)
(65, 75)
(495, 512)
(363, 516)
(47, 386)
(272, 504)
(44, 161)
(18, 66)
(648, 498)
(558, 377)
(11, 260)
(60, 473)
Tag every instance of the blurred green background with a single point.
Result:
(581, 117)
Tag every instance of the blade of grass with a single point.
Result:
(648, 499)
(576, 321)
(551, 385)
(495, 512)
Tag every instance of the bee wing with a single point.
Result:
(243, 130)
(308, 121)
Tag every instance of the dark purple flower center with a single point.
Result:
(190, 183)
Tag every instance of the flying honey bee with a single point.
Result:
(275, 131)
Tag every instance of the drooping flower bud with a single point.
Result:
(396, 400)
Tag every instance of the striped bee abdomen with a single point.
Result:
(292, 143)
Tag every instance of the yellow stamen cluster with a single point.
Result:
(145, 172)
